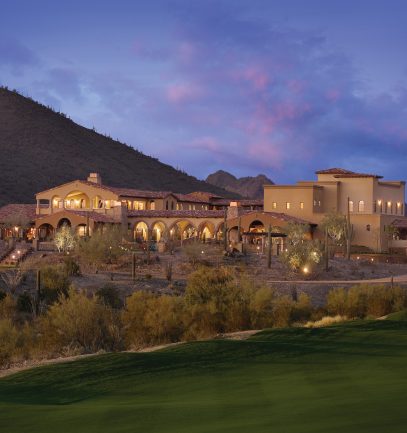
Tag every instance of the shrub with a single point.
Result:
(8, 308)
(283, 307)
(80, 324)
(10, 342)
(152, 319)
(54, 283)
(326, 321)
(71, 267)
(109, 295)
(261, 308)
(366, 300)
(25, 303)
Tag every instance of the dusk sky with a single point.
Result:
(280, 87)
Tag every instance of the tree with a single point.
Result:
(65, 239)
(334, 226)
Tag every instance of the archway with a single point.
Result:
(206, 230)
(158, 231)
(57, 202)
(64, 222)
(140, 232)
(45, 232)
(97, 202)
(256, 232)
(183, 229)
(77, 200)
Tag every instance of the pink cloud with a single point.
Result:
(255, 75)
(183, 92)
(206, 143)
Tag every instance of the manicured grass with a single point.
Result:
(347, 378)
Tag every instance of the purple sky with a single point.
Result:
(281, 87)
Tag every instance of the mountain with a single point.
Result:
(41, 148)
(251, 187)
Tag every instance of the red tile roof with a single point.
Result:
(176, 213)
(128, 192)
(25, 210)
(400, 223)
(342, 173)
(95, 216)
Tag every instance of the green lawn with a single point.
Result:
(347, 378)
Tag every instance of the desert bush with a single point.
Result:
(8, 308)
(78, 324)
(54, 283)
(104, 247)
(71, 267)
(109, 295)
(152, 319)
(366, 300)
(283, 307)
(25, 303)
(17, 342)
(261, 308)
(303, 309)
(326, 321)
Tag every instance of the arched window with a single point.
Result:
(361, 207)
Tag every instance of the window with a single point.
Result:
(138, 205)
(274, 205)
(166, 205)
(350, 206)
(374, 206)
(288, 205)
(152, 205)
(172, 205)
(389, 207)
(399, 208)
(319, 203)
(368, 227)
(380, 205)
(315, 203)
(361, 207)
(301, 205)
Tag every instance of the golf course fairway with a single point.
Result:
(346, 378)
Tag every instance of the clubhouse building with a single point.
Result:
(160, 216)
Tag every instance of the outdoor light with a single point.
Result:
(202, 252)
(379, 202)
(18, 252)
(372, 259)
(357, 258)
(13, 256)
(305, 270)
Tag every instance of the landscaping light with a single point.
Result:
(18, 252)
(13, 256)
(202, 252)
(357, 258)
(305, 270)
(372, 259)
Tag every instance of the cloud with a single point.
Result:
(16, 56)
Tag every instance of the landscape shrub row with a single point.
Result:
(216, 300)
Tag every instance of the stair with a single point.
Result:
(16, 255)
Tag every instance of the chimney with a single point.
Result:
(234, 210)
(95, 178)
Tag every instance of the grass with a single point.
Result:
(350, 377)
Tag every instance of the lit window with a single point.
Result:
(389, 207)
(380, 204)
(315, 203)
(319, 203)
(288, 205)
(274, 205)
(302, 205)
(152, 205)
(361, 206)
(399, 208)
(350, 206)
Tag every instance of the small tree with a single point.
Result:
(65, 239)
(334, 226)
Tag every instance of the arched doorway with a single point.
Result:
(81, 230)
(158, 231)
(206, 231)
(64, 222)
(183, 229)
(140, 232)
(45, 232)
(256, 232)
